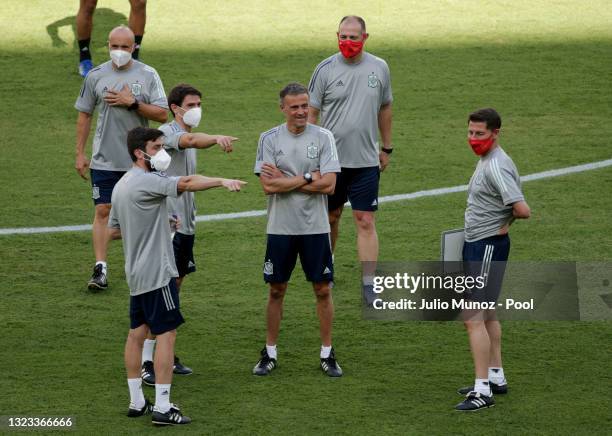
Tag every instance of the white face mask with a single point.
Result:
(161, 160)
(120, 57)
(193, 116)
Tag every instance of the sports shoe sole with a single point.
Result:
(95, 286)
(475, 410)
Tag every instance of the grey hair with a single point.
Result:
(293, 88)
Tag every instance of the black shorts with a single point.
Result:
(359, 186)
(486, 258)
(315, 257)
(183, 253)
(102, 184)
(159, 309)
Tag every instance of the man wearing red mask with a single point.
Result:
(351, 90)
(494, 201)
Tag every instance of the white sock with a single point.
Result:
(147, 350)
(496, 375)
(481, 385)
(104, 268)
(271, 349)
(162, 398)
(137, 399)
(325, 351)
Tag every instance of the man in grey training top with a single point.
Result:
(297, 164)
(351, 90)
(494, 201)
(127, 94)
(185, 103)
(139, 216)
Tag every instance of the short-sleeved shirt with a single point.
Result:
(294, 212)
(494, 187)
(139, 209)
(349, 97)
(109, 148)
(183, 164)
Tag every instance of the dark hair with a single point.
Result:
(356, 18)
(293, 88)
(178, 94)
(138, 137)
(487, 115)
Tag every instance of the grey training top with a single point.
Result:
(183, 164)
(494, 186)
(109, 149)
(139, 210)
(297, 213)
(349, 97)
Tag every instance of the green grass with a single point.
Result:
(544, 65)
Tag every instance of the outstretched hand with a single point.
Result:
(225, 142)
(233, 185)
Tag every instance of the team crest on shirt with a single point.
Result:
(136, 89)
(372, 80)
(268, 268)
(312, 152)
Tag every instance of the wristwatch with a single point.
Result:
(387, 150)
(308, 177)
(134, 106)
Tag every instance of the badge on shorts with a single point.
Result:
(95, 192)
(268, 268)
(136, 89)
(312, 151)
(372, 80)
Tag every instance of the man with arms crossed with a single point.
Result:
(494, 201)
(351, 90)
(297, 164)
(127, 94)
(139, 216)
(185, 104)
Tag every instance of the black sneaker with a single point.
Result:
(475, 401)
(148, 373)
(496, 389)
(171, 417)
(265, 365)
(146, 410)
(330, 366)
(181, 369)
(98, 279)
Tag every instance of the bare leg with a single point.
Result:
(164, 357)
(494, 332)
(138, 16)
(275, 311)
(133, 350)
(334, 223)
(480, 347)
(367, 239)
(100, 233)
(84, 18)
(325, 311)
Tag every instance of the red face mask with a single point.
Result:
(481, 146)
(349, 48)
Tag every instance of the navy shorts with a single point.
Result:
(159, 309)
(359, 186)
(183, 253)
(487, 258)
(315, 256)
(102, 184)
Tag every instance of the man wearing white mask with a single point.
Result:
(139, 216)
(127, 94)
(185, 104)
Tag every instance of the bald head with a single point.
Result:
(121, 32)
(121, 38)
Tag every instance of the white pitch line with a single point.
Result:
(385, 199)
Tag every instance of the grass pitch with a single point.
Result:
(544, 65)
